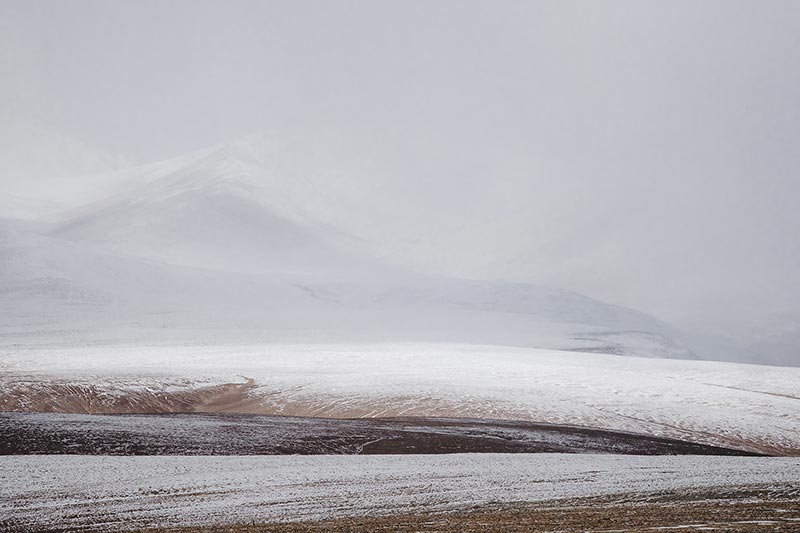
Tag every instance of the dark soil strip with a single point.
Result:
(238, 434)
(744, 518)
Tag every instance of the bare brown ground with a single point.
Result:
(759, 511)
(54, 397)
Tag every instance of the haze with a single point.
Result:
(641, 153)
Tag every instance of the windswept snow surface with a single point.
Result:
(749, 407)
(103, 493)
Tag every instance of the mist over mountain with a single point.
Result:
(39, 167)
(637, 153)
(215, 240)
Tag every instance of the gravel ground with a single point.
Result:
(101, 493)
(235, 434)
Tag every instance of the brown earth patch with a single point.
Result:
(84, 398)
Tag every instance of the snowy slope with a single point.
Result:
(46, 280)
(741, 406)
(74, 293)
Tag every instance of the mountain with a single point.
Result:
(216, 241)
(214, 209)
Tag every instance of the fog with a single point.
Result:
(642, 153)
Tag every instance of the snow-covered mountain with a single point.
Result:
(218, 240)
(214, 209)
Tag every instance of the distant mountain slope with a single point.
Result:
(212, 240)
(212, 209)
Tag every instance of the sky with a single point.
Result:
(643, 153)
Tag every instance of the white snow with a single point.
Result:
(134, 492)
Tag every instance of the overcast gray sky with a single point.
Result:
(645, 153)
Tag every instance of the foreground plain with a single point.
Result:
(102, 493)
